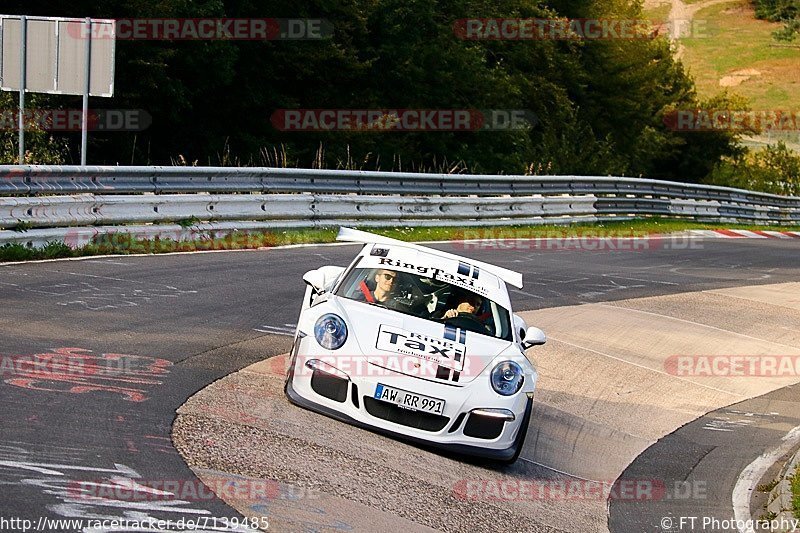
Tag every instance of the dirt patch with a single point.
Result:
(739, 77)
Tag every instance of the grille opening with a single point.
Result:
(405, 417)
(329, 385)
(483, 427)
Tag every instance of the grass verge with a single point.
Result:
(657, 14)
(733, 41)
(796, 492)
(126, 244)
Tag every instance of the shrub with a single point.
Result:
(775, 169)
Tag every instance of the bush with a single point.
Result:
(54, 250)
(775, 169)
(16, 252)
(789, 31)
(20, 252)
(41, 147)
(787, 11)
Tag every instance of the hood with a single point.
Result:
(419, 347)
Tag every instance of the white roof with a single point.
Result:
(354, 235)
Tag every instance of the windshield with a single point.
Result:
(427, 298)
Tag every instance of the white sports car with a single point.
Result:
(419, 344)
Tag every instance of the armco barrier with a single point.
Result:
(73, 204)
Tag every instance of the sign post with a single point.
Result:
(23, 60)
(57, 56)
(87, 88)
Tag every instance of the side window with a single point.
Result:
(352, 285)
(346, 275)
(500, 317)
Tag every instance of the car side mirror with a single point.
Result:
(533, 337)
(316, 279)
(323, 278)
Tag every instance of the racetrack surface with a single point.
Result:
(152, 331)
(708, 456)
(608, 391)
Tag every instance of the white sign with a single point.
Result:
(55, 50)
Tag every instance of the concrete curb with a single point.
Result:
(780, 498)
(743, 234)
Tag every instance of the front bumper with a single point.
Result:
(464, 427)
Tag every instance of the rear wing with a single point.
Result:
(354, 235)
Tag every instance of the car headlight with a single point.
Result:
(507, 378)
(330, 331)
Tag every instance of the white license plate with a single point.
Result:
(409, 400)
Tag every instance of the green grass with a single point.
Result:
(796, 492)
(124, 244)
(657, 14)
(52, 250)
(731, 39)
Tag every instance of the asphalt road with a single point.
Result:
(98, 354)
(699, 465)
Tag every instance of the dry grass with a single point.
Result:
(733, 40)
(656, 11)
(124, 244)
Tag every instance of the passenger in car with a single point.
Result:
(385, 283)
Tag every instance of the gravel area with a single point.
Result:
(244, 426)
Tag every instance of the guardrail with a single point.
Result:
(74, 204)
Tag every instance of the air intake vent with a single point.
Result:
(329, 385)
(483, 427)
(405, 417)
